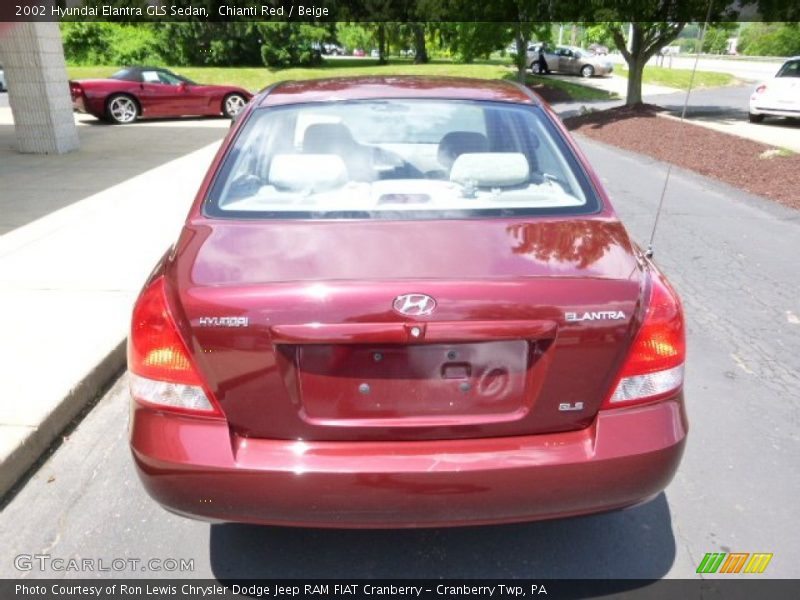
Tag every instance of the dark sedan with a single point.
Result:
(135, 92)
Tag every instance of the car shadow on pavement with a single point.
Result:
(92, 122)
(637, 543)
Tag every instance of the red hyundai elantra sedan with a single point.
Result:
(403, 302)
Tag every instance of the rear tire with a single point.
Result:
(587, 71)
(122, 109)
(755, 118)
(233, 104)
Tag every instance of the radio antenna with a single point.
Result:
(677, 135)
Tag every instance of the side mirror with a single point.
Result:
(182, 86)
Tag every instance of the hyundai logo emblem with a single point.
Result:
(414, 305)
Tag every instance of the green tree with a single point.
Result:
(658, 22)
(99, 43)
(86, 42)
(646, 39)
(717, 36)
(419, 32)
(134, 44)
(353, 36)
(770, 39)
(291, 44)
(468, 41)
(597, 33)
(201, 43)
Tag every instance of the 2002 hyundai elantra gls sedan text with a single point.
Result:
(404, 302)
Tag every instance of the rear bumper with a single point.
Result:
(89, 106)
(775, 111)
(78, 100)
(197, 468)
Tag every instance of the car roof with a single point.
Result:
(395, 87)
(145, 68)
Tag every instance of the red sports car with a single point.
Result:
(404, 302)
(136, 92)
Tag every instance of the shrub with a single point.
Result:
(291, 45)
(97, 43)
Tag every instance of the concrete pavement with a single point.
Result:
(80, 234)
(35, 186)
(725, 109)
(732, 258)
(780, 133)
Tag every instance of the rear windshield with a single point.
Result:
(399, 159)
(126, 75)
(790, 69)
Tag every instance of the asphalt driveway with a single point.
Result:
(733, 259)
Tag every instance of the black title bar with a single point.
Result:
(733, 588)
(510, 11)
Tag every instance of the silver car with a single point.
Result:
(569, 59)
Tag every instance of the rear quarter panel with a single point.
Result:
(97, 92)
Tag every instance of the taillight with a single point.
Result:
(75, 90)
(653, 368)
(162, 372)
(761, 89)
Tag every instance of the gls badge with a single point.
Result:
(596, 315)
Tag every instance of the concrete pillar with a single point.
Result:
(36, 75)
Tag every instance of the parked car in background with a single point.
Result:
(779, 96)
(532, 57)
(404, 302)
(2, 79)
(359, 52)
(375, 53)
(135, 92)
(333, 50)
(569, 60)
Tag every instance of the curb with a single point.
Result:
(23, 458)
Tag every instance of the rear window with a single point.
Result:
(399, 159)
(127, 75)
(790, 69)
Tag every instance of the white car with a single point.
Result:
(779, 96)
(2, 79)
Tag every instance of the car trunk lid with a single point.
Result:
(295, 328)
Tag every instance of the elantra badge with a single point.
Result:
(414, 305)
(596, 315)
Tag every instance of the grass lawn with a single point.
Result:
(577, 91)
(679, 78)
(255, 78)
